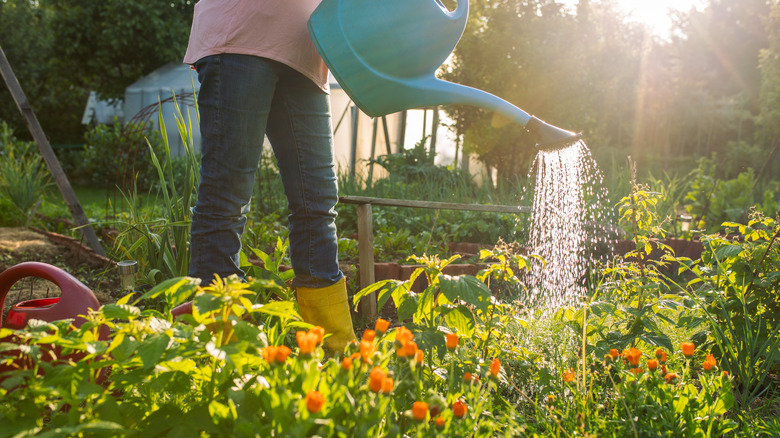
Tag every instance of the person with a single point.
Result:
(261, 75)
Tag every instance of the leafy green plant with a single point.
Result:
(161, 244)
(733, 293)
(23, 176)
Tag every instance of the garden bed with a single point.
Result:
(18, 245)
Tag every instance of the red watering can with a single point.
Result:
(76, 299)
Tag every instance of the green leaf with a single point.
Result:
(281, 309)
(178, 286)
(459, 318)
(120, 311)
(727, 251)
(152, 348)
(467, 288)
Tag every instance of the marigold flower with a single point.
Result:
(687, 348)
(381, 326)
(419, 410)
(346, 363)
(614, 353)
(652, 364)
(387, 385)
(725, 373)
(671, 377)
(366, 350)
(319, 332)
(282, 353)
(633, 356)
(661, 356)
(637, 371)
(408, 349)
(467, 377)
(307, 342)
(569, 376)
(440, 422)
(419, 357)
(459, 409)
(402, 336)
(276, 355)
(709, 363)
(314, 401)
(376, 379)
(369, 335)
(452, 341)
(663, 370)
(495, 367)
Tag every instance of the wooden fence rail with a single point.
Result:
(368, 307)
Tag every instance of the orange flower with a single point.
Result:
(440, 422)
(652, 364)
(276, 355)
(725, 373)
(408, 349)
(319, 332)
(419, 356)
(366, 350)
(376, 379)
(614, 353)
(467, 377)
(663, 370)
(661, 356)
(346, 363)
(687, 348)
(459, 409)
(387, 385)
(419, 410)
(633, 357)
(402, 336)
(369, 335)
(381, 326)
(452, 341)
(637, 371)
(709, 363)
(550, 399)
(307, 342)
(282, 353)
(495, 367)
(314, 401)
(671, 377)
(569, 376)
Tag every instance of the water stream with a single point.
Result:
(570, 224)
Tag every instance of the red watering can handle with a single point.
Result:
(76, 298)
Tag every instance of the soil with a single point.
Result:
(18, 245)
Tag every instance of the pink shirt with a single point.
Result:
(274, 29)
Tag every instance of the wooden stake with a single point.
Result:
(48, 155)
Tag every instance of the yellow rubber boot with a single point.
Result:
(328, 307)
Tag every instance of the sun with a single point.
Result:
(656, 13)
(652, 13)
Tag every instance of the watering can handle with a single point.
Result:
(74, 293)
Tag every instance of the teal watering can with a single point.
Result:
(385, 53)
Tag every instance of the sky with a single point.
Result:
(654, 13)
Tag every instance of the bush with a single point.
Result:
(118, 155)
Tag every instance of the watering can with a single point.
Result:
(76, 299)
(385, 54)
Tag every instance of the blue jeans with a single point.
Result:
(241, 99)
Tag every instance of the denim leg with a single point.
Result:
(234, 102)
(299, 129)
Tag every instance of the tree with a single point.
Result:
(63, 49)
(576, 71)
